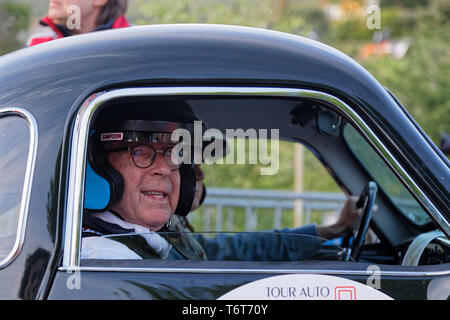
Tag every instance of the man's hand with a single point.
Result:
(348, 218)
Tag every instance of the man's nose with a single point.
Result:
(160, 165)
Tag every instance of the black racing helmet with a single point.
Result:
(134, 121)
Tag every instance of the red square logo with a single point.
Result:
(345, 293)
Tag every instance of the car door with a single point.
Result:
(310, 279)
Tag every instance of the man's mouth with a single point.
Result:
(155, 194)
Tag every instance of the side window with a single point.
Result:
(239, 199)
(14, 149)
(265, 191)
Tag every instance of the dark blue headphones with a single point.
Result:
(97, 191)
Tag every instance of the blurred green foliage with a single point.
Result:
(14, 22)
(404, 3)
(419, 80)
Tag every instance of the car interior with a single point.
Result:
(350, 161)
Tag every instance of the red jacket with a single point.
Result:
(53, 31)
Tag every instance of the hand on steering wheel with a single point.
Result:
(366, 201)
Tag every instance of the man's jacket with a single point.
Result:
(107, 236)
(53, 31)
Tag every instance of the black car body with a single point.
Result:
(56, 88)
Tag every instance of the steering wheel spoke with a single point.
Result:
(366, 202)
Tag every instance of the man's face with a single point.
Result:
(59, 12)
(150, 195)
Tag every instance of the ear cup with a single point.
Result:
(187, 190)
(104, 184)
(97, 191)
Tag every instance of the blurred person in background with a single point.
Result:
(70, 17)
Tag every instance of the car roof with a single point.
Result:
(194, 52)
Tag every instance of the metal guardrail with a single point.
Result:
(220, 201)
(220, 205)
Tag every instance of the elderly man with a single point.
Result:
(71, 17)
(150, 193)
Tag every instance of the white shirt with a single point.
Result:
(104, 248)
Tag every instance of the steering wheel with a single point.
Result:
(366, 201)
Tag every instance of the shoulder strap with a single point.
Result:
(139, 245)
(93, 226)
(103, 227)
(182, 240)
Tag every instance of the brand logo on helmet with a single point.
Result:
(112, 136)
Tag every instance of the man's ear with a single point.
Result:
(100, 3)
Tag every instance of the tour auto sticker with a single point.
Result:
(304, 287)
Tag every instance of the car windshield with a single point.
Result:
(275, 246)
(385, 178)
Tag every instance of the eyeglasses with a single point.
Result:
(144, 155)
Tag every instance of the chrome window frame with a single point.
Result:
(362, 272)
(77, 159)
(27, 183)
